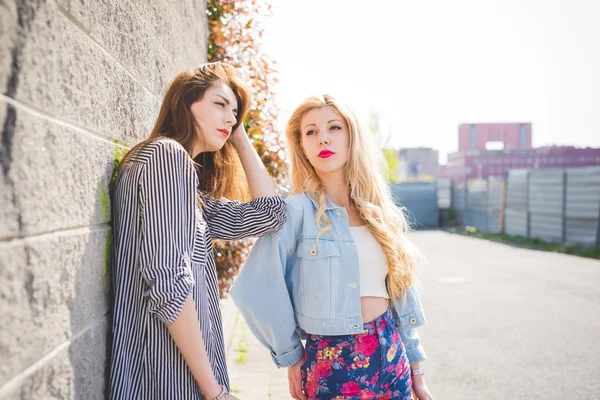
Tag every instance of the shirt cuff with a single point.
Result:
(289, 358)
(416, 355)
(273, 204)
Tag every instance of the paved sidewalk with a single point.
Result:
(251, 370)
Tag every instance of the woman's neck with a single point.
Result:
(337, 188)
(197, 148)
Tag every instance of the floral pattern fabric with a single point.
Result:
(367, 366)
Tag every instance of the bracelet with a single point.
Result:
(417, 371)
(223, 395)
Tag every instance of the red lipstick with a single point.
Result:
(326, 153)
(224, 132)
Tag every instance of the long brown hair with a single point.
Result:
(220, 173)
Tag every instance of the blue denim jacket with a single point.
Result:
(288, 287)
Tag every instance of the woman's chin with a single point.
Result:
(328, 169)
(214, 147)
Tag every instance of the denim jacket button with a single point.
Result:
(413, 320)
(341, 214)
(356, 326)
(313, 251)
(353, 285)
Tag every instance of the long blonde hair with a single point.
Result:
(368, 189)
(220, 173)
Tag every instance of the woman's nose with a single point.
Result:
(324, 139)
(231, 119)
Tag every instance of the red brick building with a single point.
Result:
(476, 136)
(474, 159)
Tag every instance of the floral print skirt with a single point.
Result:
(367, 366)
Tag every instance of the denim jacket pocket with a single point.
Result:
(315, 276)
(412, 320)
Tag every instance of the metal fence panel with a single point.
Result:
(444, 194)
(552, 205)
(420, 200)
(583, 205)
(515, 222)
(515, 216)
(581, 232)
(516, 193)
(459, 203)
(546, 205)
(493, 221)
(476, 213)
(546, 227)
(546, 192)
(477, 199)
(494, 204)
(477, 219)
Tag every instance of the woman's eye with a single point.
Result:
(221, 104)
(335, 127)
(309, 133)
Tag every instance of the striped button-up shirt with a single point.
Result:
(163, 254)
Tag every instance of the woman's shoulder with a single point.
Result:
(163, 151)
(298, 202)
(162, 147)
(298, 206)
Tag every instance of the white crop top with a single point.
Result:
(372, 263)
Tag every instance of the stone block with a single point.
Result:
(186, 51)
(8, 32)
(77, 370)
(53, 288)
(58, 70)
(192, 16)
(58, 177)
(9, 213)
(118, 27)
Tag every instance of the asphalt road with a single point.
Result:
(508, 323)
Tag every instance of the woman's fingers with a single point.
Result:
(299, 391)
(292, 387)
(295, 384)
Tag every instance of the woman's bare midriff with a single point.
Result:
(373, 307)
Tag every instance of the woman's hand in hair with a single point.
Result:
(295, 381)
(259, 181)
(239, 136)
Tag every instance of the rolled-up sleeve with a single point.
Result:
(412, 343)
(168, 201)
(233, 220)
(409, 315)
(261, 294)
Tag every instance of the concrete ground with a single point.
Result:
(503, 323)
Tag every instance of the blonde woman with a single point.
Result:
(341, 270)
(175, 193)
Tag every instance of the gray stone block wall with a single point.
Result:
(80, 81)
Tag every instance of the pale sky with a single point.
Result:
(427, 66)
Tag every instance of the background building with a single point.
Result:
(477, 136)
(493, 149)
(417, 164)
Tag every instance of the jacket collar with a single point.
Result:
(330, 204)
